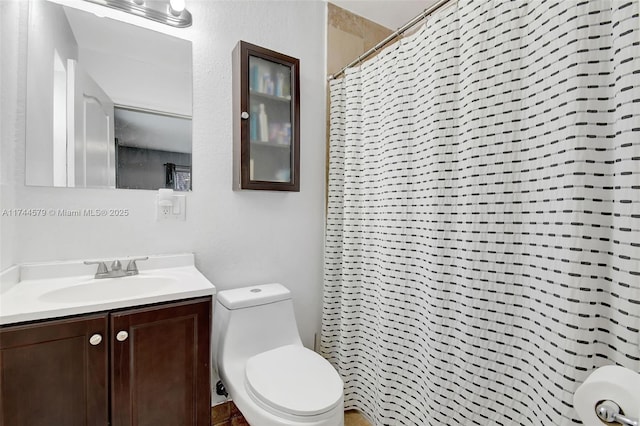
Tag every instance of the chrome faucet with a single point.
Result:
(116, 268)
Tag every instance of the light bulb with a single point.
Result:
(176, 6)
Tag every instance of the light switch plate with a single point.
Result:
(179, 207)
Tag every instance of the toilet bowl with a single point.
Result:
(271, 377)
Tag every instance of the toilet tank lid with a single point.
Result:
(253, 296)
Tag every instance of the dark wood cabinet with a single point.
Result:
(145, 366)
(160, 371)
(55, 373)
(266, 119)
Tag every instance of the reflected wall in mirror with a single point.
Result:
(108, 103)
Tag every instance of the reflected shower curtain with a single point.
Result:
(483, 233)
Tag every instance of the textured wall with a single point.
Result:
(12, 109)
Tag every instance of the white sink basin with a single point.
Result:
(108, 289)
(58, 289)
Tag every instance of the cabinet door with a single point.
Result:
(267, 111)
(55, 373)
(160, 364)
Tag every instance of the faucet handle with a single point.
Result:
(102, 267)
(132, 268)
(116, 265)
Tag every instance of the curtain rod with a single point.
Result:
(391, 37)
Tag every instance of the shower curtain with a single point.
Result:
(483, 228)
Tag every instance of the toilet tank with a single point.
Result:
(247, 297)
(251, 320)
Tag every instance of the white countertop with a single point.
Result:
(57, 289)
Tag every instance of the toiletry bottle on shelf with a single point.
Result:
(253, 124)
(286, 89)
(252, 77)
(286, 136)
(274, 131)
(280, 84)
(267, 84)
(255, 80)
(263, 125)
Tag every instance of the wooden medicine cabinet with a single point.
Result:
(266, 119)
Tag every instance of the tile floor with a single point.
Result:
(353, 418)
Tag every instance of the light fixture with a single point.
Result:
(170, 12)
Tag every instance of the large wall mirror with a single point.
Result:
(108, 103)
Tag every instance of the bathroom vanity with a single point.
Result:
(140, 358)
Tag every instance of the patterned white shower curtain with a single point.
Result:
(483, 230)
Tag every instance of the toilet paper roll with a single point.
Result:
(613, 383)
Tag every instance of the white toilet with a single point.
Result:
(270, 376)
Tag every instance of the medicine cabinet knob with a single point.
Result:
(95, 339)
(244, 115)
(122, 336)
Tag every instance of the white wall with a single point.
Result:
(239, 238)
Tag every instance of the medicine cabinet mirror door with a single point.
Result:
(267, 133)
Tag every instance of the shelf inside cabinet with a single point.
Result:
(260, 144)
(269, 96)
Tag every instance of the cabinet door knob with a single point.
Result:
(244, 115)
(95, 339)
(122, 336)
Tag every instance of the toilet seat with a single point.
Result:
(293, 380)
